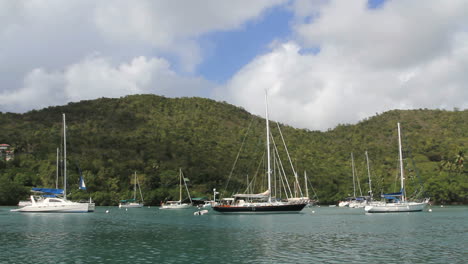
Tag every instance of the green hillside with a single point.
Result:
(109, 139)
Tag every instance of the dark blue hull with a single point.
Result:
(282, 208)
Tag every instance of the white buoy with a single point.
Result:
(430, 210)
(442, 206)
(107, 211)
(126, 209)
(313, 212)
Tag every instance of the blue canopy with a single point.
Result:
(48, 190)
(392, 196)
(127, 201)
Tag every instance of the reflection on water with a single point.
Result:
(149, 235)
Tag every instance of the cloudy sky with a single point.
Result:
(322, 62)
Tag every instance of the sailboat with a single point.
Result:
(397, 202)
(260, 202)
(356, 201)
(178, 204)
(350, 201)
(45, 192)
(53, 203)
(132, 203)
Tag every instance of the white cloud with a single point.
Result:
(174, 26)
(96, 77)
(48, 47)
(402, 55)
(405, 54)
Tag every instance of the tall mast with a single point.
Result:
(57, 172)
(306, 188)
(64, 159)
(354, 182)
(268, 147)
(402, 175)
(134, 188)
(368, 174)
(180, 184)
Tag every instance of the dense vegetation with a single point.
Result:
(109, 139)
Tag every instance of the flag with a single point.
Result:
(186, 179)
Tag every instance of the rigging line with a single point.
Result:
(254, 178)
(281, 165)
(139, 188)
(396, 177)
(186, 188)
(358, 183)
(289, 158)
(418, 175)
(353, 172)
(312, 186)
(280, 176)
(238, 154)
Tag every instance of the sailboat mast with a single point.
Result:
(354, 181)
(368, 174)
(402, 175)
(64, 159)
(57, 172)
(134, 188)
(306, 187)
(180, 185)
(268, 147)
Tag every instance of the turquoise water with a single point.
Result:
(318, 235)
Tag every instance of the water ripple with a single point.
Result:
(331, 235)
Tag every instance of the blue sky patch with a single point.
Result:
(227, 52)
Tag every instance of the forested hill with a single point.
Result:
(110, 139)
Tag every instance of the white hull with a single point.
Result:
(175, 206)
(24, 203)
(396, 207)
(131, 205)
(357, 204)
(68, 207)
(343, 204)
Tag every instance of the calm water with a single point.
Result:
(150, 235)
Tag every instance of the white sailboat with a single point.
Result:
(132, 203)
(178, 204)
(397, 202)
(356, 201)
(56, 204)
(261, 202)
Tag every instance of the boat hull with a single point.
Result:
(357, 204)
(343, 204)
(176, 206)
(131, 205)
(71, 207)
(395, 207)
(256, 209)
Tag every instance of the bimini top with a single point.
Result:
(200, 199)
(48, 190)
(392, 196)
(128, 201)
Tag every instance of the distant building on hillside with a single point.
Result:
(6, 152)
